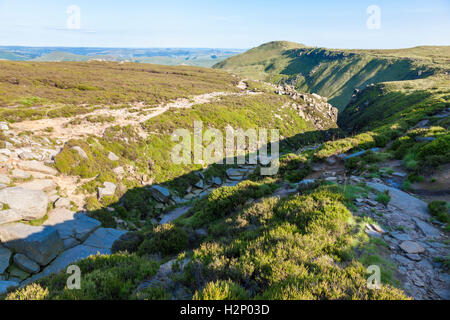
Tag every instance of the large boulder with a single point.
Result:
(39, 243)
(30, 204)
(108, 190)
(72, 225)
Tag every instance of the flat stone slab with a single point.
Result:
(104, 238)
(8, 216)
(45, 185)
(108, 191)
(175, 214)
(39, 243)
(5, 256)
(427, 229)
(30, 204)
(411, 247)
(26, 264)
(72, 225)
(67, 258)
(403, 201)
(4, 179)
(37, 166)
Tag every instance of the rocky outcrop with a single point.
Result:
(40, 244)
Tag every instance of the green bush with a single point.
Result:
(440, 210)
(31, 292)
(167, 239)
(384, 197)
(222, 290)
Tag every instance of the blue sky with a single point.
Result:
(224, 24)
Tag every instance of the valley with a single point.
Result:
(86, 177)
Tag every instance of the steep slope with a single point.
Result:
(335, 73)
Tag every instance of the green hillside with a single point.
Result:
(335, 73)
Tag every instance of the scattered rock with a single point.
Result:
(4, 126)
(216, 181)
(371, 203)
(360, 153)
(199, 184)
(30, 204)
(40, 244)
(80, 152)
(109, 190)
(119, 171)
(113, 157)
(399, 174)
(414, 257)
(28, 156)
(24, 263)
(411, 247)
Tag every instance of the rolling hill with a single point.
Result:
(335, 73)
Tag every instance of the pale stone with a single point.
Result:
(175, 214)
(30, 204)
(37, 166)
(411, 247)
(113, 157)
(80, 152)
(108, 190)
(44, 185)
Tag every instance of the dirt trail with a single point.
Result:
(64, 129)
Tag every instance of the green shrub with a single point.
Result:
(440, 210)
(384, 197)
(167, 239)
(222, 290)
(31, 292)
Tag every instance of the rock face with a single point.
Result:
(30, 204)
(415, 207)
(5, 256)
(40, 244)
(71, 225)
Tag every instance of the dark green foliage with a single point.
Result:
(440, 210)
(167, 239)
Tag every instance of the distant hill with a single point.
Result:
(335, 73)
(201, 57)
